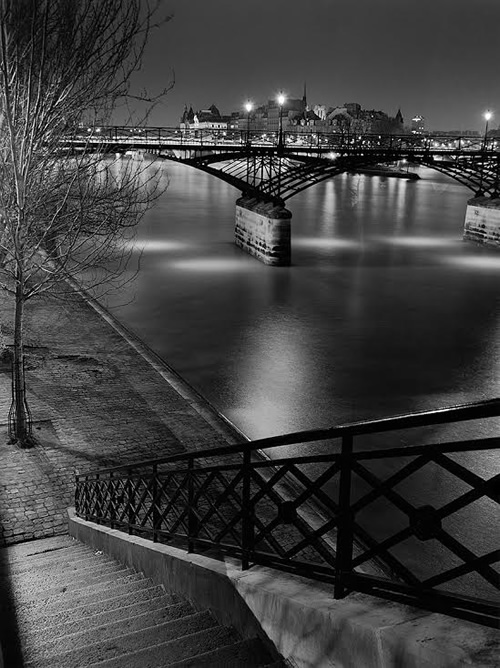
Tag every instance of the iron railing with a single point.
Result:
(312, 139)
(417, 524)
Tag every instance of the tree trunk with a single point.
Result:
(19, 417)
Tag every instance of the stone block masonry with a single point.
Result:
(482, 220)
(263, 230)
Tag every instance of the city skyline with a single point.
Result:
(437, 59)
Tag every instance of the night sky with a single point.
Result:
(438, 58)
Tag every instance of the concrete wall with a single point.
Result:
(263, 230)
(482, 220)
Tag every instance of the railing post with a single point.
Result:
(247, 534)
(112, 501)
(130, 501)
(156, 512)
(97, 479)
(343, 561)
(192, 523)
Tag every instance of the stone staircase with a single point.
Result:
(63, 605)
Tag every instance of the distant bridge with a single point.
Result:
(275, 166)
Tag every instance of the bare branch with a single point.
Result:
(64, 215)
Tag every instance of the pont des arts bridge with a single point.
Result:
(271, 168)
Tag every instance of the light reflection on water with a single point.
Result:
(216, 265)
(488, 263)
(423, 242)
(323, 242)
(157, 246)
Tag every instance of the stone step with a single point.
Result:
(249, 653)
(131, 642)
(169, 653)
(74, 586)
(42, 548)
(77, 608)
(85, 631)
(61, 599)
(61, 629)
(59, 553)
(71, 575)
(50, 617)
(75, 560)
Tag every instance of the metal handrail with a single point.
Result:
(460, 412)
(277, 511)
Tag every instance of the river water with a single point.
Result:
(385, 309)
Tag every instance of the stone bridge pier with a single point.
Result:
(263, 229)
(482, 220)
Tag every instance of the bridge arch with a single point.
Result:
(270, 171)
(265, 174)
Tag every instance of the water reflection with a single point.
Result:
(422, 242)
(323, 242)
(213, 265)
(486, 262)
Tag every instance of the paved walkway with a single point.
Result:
(96, 401)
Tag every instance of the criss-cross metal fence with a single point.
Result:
(417, 524)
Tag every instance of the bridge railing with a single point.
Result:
(415, 524)
(314, 140)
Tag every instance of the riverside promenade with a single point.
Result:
(98, 397)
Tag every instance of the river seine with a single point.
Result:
(385, 310)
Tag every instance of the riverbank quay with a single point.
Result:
(98, 397)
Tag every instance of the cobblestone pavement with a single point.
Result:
(95, 402)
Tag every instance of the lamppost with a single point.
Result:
(248, 107)
(487, 117)
(281, 102)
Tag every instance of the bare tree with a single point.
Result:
(65, 209)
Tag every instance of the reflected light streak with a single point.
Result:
(313, 242)
(476, 262)
(215, 265)
(152, 246)
(422, 242)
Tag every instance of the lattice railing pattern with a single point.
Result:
(414, 524)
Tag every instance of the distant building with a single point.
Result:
(298, 117)
(320, 111)
(353, 108)
(205, 119)
(417, 125)
(187, 118)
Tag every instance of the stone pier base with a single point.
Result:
(482, 220)
(263, 230)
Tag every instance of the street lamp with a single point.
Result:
(281, 102)
(248, 107)
(487, 117)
